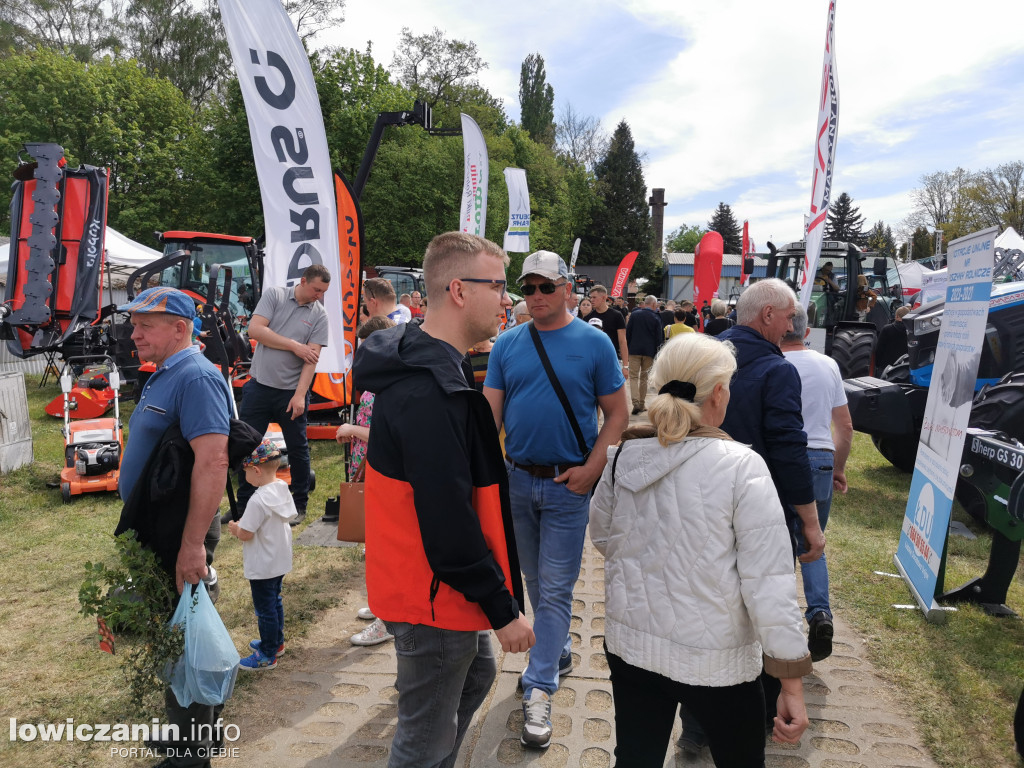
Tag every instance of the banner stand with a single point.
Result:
(933, 612)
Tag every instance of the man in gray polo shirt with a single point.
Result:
(290, 326)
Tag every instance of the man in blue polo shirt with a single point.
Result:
(550, 476)
(187, 391)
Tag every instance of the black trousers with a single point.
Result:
(645, 708)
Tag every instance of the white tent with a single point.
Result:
(121, 252)
(912, 275)
(1010, 240)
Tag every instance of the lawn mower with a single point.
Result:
(92, 447)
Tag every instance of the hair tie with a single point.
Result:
(684, 390)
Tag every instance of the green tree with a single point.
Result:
(844, 222)
(314, 16)
(580, 140)
(111, 114)
(997, 195)
(684, 239)
(881, 240)
(537, 101)
(922, 244)
(622, 223)
(724, 223)
(943, 200)
(79, 28)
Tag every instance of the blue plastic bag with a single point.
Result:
(207, 669)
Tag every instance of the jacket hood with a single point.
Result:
(749, 344)
(644, 461)
(278, 499)
(392, 355)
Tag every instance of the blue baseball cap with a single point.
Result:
(162, 299)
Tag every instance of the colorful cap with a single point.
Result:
(162, 299)
(546, 264)
(264, 452)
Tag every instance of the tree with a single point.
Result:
(622, 223)
(80, 28)
(313, 16)
(684, 239)
(844, 222)
(880, 240)
(922, 244)
(997, 195)
(537, 101)
(579, 139)
(943, 201)
(724, 223)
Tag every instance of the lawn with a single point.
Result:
(960, 680)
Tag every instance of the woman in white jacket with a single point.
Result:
(699, 581)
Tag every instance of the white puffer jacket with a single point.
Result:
(699, 573)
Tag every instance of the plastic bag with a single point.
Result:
(207, 669)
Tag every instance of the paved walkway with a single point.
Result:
(333, 704)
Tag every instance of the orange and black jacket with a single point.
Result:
(440, 548)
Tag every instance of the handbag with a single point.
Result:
(351, 510)
(206, 671)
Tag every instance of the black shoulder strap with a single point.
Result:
(615, 461)
(562, 398)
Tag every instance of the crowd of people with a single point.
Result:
(523, 444)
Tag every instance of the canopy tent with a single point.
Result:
(121, 252)
(1010, 240)
(912, 275)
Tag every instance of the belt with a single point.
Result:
(540, 470)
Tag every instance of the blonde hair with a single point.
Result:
(450, 255)
(701, 360)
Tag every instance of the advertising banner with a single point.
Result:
(517, 236)
(824, 157)
(707, 271)
(575, 255)
(748, 250)
(946, 414)
(290, 148)
(473, 211)
(622, 275)
(337, 385)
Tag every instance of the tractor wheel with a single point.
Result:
(898, 372)
(999, 407)
(851, 349)
(65, 492)
(312, 480)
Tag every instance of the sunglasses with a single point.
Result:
(494, 283)
(545, 288)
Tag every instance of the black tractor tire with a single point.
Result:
(898, 450)
(851, 349)
(999, 406)
(898, 372)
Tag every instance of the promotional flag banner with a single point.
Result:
(748, 250)
(290, 148)
(575, 255)
(517, 236)
(473, 211)
(707, 270)
(946, 415)
(622, 275)
(824, 157)
(337, 385)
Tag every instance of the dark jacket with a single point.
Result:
(764, 412)
(439, 537)
(892, 345)
(644, 332)
(717, 326)
(158, 506)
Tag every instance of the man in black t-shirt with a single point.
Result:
(609, 320)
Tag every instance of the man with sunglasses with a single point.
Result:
(550, 473)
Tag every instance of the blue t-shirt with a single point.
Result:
(187, 390)
(537, 430)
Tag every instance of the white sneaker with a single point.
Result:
(375, 634)
(536, 720)
(365, 613)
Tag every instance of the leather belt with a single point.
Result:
(543, 471)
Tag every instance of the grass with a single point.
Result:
(50, 663)
(960, 681)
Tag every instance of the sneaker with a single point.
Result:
(565, 664)
(819, 636)
(257, 661)
(365, 613)
(536, 720)
(375, 634)
(298, 518)
(636, 410)
(255, 645)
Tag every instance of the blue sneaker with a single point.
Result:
(565, 664)
(257, 661)
(255, 645)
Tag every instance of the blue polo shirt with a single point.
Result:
(187, 390)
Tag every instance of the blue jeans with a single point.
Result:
(266, 600)
(815, 574)
(551, 525)
(443, 678)
(261, 405)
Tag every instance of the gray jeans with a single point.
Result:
(443, 677)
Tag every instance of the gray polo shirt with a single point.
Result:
(305, 323)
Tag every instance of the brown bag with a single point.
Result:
(351, 512)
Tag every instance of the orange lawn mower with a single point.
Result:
(92, 447)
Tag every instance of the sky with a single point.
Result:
(722, 96)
